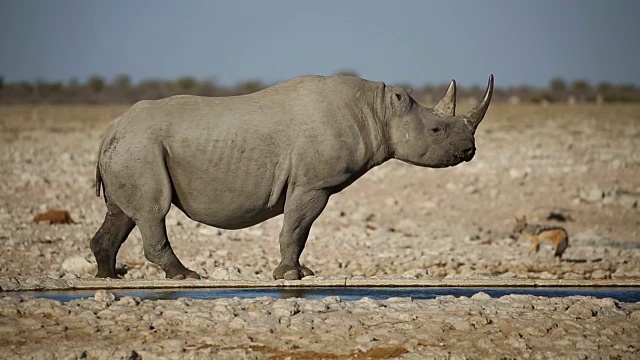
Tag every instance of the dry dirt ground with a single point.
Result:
(572, 166)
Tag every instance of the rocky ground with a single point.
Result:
(514, 326)
(576, 167)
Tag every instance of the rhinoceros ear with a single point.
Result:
(475, 116)
(400, 101)
(399, 95)
(447, 105)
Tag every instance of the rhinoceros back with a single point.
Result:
(229, 160)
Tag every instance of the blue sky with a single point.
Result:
(412, 42)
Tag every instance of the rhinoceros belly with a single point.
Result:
(228, 189)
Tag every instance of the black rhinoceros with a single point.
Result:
(233, 162)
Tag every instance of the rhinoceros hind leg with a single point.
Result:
(147, 200)
(157, 249)
(107, 240)
(300, 211)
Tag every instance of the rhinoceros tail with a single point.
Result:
(98, 180)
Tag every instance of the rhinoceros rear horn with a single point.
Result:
(475, 116)
(447, 105)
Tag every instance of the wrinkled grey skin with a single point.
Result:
(233, 162)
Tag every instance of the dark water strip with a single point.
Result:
(623, 294)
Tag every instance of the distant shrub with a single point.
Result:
(251, 86)
(557, 84)
(122, 81)
(348, 73)
(96, 84)
(187, 83)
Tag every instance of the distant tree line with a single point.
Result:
(97, 90)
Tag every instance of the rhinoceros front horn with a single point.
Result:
(447, 105)
(475, 116)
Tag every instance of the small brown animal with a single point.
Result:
(539, 234)
(54, 217)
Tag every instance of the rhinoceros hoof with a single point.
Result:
(188, 274)
(290, 272)
(106, 274)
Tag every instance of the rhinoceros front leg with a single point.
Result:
(300, 211)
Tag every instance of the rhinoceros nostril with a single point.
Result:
(469, 152)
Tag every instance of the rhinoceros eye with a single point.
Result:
(435, 130)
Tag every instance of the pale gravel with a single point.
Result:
(397, 221)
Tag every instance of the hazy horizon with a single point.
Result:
(412, 42)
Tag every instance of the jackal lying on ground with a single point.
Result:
(539, 234)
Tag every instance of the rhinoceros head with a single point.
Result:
(433, 137)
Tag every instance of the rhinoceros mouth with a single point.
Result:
(455, 160)
(458, 161)
(458, 158)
